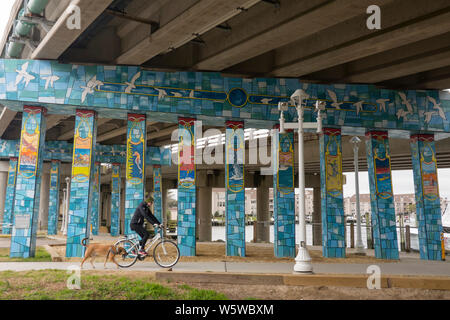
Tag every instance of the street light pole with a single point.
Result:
(359, 245)
(303, 259)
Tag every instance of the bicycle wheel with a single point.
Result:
(166, 253)
(130, 257)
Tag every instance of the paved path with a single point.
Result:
(405, 267)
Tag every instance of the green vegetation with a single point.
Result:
(51, 285)
(41, 256)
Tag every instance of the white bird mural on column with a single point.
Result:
(401, 113)
(3, 147)
(131, 84)
(428, 116)
(89, 88)
(23, 75)
(382, 103)
(333, 97)
(50, 80)
(191, 95)
(438, 107)
(406, 102)
(359, 106)
(266, 100)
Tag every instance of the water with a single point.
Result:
(218, 233)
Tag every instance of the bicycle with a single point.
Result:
(165, 252)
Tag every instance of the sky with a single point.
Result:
(5, 10)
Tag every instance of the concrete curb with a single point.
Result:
(329, 280)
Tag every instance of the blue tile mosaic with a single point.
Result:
(428, 204)
(331, 189)
(115, 200)
(157, 195)
(234, 188)
(53, 206)
(283, 194)
(10, 196)
(381, 195)
(95, 205)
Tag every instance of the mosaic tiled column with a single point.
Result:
(10, 196)
(186, 187)
(332, 201)
(157, 195)
(381, 195)
(95, 205)
(115, 200)
(28, 182)
(81, 182)
(283, 194)
(235, 188)
(428, 204)
(53, 206)
(135, 166)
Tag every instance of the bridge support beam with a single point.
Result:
(10, 196)
(135, 166)
(115, 199)
(95, 205)
(235, 189)
(428, 202)
(284, 195)
(332, 203)
(382, 197)
(28, 183)
(186, 187)
(157, 193)
(81, 181)
(53, 206)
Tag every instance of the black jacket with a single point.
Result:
(143, 211)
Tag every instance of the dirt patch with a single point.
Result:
(215, 252)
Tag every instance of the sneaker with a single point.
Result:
(142, 253)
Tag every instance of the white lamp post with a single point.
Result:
(303, 259)
(359, 245)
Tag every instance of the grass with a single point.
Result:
(41, 255)
(51, 285)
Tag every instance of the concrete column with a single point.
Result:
(10, 196)
(332, 198)
(115, 199)
(165, 196)
(81, 181)
(382, 196)
(234, 188)
(122, 206)
(53, 204)
(317, 218)
(3, 186)
(283, 194)
(28, 185)
(44, 201)
(428, 204)
(186, 187)
(157, 195)
(135, 166)
(204, 214)
(262, 214)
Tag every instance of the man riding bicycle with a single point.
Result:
(137, 222)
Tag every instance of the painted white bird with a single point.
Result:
(131, 84)
(428, 116)
(23, 75)
(406, 102)
(359, 106)
(177, 94)
(438, 107)
(50, 80)
(401, 113)
(3, 147)
(266, 100)
(161, 93)
(89, 88)
(382, 103)
(191, 95)
(333, 97)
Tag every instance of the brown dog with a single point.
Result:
(97, 249)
